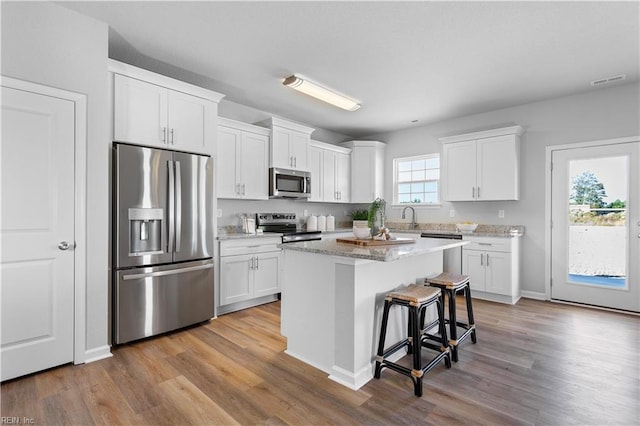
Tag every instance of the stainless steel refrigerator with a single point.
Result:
(163, 271)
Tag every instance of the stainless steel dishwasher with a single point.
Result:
(452, 257)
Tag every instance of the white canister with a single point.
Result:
(322, 222)
(312, 223)
(331, 223)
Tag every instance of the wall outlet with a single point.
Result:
(305, 213)
(219, 212)
(452, 213)
(501, 214)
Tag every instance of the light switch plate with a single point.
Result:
(501, 214)
(452, 213)
(219, 212)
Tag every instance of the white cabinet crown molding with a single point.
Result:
(118, 67)
(279, 122)
(363, 143)
(330, 147)
(228, 122)
(511, 130)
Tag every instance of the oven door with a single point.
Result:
(289, 183)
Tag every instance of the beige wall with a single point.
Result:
(48, 44)
(594, 115)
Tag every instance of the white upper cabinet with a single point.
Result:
(242, 166)
(367, 170)
(151, 109)
(330, 168)
(289, 144)
(482, 166)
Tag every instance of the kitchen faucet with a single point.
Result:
(413, 224)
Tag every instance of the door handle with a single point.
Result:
(64, 245)
(178, 201)
(171, 136)
(481, 259)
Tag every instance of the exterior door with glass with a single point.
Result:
(595, 234)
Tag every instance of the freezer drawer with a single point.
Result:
(154, 300)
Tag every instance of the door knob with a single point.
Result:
(63, 245)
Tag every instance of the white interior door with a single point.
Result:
(37, 229)
(595, 235)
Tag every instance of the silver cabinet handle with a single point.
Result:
(251, 263)
(243, 189)
(63, 245)
(478, 192)
(481, 259)
(473, 192)
(257, 263)
(171, 136)
(164, 134)
(487, 259)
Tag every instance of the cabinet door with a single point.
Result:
(188, 118)
(254, 166)
(363, 163)
(267, 274)
(497, 168)
(329, 192)
(473, 266)
(140, 112)
(299, 149)
(235, 279)
(280, 153)
(343, 177)
(459, 171)
(315, 167)
(498, 273)
(228, 162)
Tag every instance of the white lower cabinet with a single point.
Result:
(492, 265)
(250, 269)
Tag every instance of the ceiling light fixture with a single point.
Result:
(311, 88)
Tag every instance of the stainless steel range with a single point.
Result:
(286, 224)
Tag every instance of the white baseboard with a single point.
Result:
(533, 295)
(96, 354)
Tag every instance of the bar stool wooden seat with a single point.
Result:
(451, 283)
(416, 298)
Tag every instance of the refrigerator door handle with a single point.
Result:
(165, 273)
(178, 214)
(171, 207)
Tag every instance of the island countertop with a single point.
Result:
(384, 253)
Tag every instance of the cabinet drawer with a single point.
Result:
(488, 244)
(249, 246)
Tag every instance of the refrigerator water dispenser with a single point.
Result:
(145, 231)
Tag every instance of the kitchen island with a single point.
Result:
(333, 294)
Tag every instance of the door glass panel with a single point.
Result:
(597, 232)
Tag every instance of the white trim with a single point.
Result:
(279, 122)
(533, 295)
(245, 127)
(329, 147)
(395, 182)
(96, 354)
(117, 67)
(517, 130)
(80, 208)
(547, 197)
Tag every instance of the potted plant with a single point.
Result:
(360, 218)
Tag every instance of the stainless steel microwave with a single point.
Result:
(284, 183)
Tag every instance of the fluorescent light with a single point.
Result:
(310, 88)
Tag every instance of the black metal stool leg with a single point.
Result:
(453, 329)
(383, 335)
(443, 330)
(416, 373)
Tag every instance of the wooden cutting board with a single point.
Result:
(370, 242)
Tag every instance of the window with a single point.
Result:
(416, 180)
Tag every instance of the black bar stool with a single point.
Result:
(451, 283)
(417, 298)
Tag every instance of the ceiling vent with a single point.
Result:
(608, 80)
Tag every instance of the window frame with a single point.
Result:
(397, 161)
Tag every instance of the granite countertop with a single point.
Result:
(388, 253)
(501, 231)
(234, 235)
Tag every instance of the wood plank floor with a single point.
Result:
(534, 363)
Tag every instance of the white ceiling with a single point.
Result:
(405, 61)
